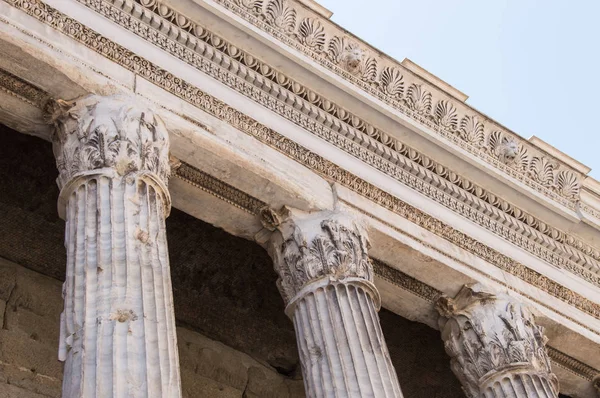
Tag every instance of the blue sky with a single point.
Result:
(532, 65)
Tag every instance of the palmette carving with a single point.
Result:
(96, 132)
(278, 13)
(492, 340)
(317, 34)
(295, 89)
(196, 97)
(323, 245)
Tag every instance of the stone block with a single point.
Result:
(2, 312)
(44, 329)
(265, 383)
(195, 386)
(213, 360)
(31, 381)
(8, 276)
(11, 391)
(38, 293)
(29, 354)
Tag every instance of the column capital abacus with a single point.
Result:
(317, 248)
(492, 337)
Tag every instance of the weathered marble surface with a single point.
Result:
(326, 281)
(497, 350)
(224, 287)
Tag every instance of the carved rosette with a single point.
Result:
(326, 280)
(326, 245)
(108, 134)
(496, 348)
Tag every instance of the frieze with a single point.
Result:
(218, 188)
(21, 89)
(388, 81)
(375, 147)
(244, 123)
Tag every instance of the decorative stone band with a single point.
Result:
(21, 89)
(260, 82)
(218, 109)
(390, 82)
(392, 275)
(118, 325)
(326, 280)
(497, 349)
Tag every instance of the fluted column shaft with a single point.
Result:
(118, 336)
(326, 279)
(496, 348)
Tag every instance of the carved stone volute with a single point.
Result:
(490, 336)
(327, 245)
(115, 132)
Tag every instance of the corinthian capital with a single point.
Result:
(115, 132)
(329, 245)
(493, 340)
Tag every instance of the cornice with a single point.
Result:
(332, 172)
(248, 75)
(390, 82)
(201, 180)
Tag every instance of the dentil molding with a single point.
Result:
(332, 172)
(389, 81)
(257, 80)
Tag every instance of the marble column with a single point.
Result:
(496, 348)
(118, 335)
(326, 280)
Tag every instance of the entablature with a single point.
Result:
(250, 136)
(259, 81)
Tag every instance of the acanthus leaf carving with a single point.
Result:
(490, 335)
(328, 244)
(95, 132)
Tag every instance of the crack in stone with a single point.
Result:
(10, 296)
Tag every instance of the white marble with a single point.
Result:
(326, 280)
(118, 327)
(497, 349)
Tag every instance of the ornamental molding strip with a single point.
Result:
(391, 82)
(382, 270)
(22, 90)
(321, 166)
(272, 89)
(201, 180)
